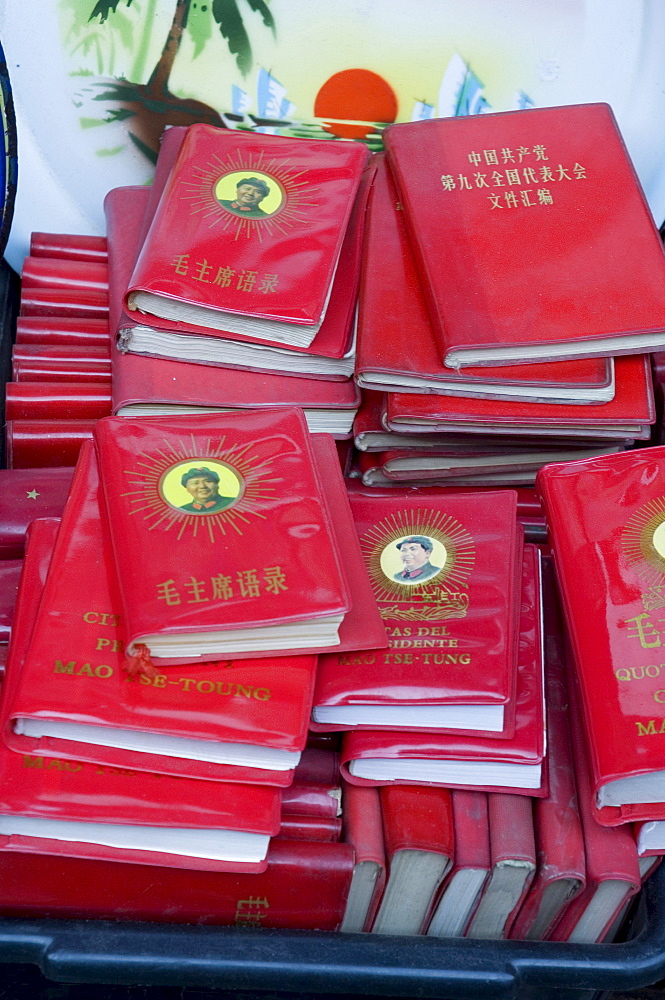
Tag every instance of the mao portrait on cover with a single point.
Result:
(415, 553)
(248, 196)
(201, 488)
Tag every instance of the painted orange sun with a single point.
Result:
(357, 94)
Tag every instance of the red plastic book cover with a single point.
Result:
(304, 885)
(470, 870)
(76, 673)
(104, 801)
(513, 854)
(241, 206)
(33, 444)
(68, 246)
(326, 829)
(10, 574)
(499, 204)
(62, 330)
(259, 486)
(309, 799)
(419, 841)
(56, 272)
(38, 370)
(561, 872)
(605, 519)
(396, 345)
(85, 303)
(632, 406)
(445, 574)
(477, 762)
(612, 864)
(362, 828)
(128, 208)
(56, 401)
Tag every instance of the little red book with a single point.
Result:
(57, 401)
(513, 859)
(59, 806)
(613, 873)
(500, 205)
(397, 349)
(304, 886)
(58, 272)
(225, 248)
(561, 872)
(362, 828)
(10, 574)
(68, 246)
(419, 843)
(629, 415)
(86, 303)
(605, 518)
(445, 573)
(33, 444)
(471, 866)
(62, 330)
(229, 720)
(243, 556)
(479, 761)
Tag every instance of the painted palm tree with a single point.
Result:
(149, 107)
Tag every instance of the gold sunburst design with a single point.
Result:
(449, 562)
(643, 542)
(289, 203)
(245, 481)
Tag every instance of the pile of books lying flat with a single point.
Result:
(330, 539)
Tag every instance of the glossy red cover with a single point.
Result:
(27, 494)
(60, 371)
(75, 672)
(68, 246)
(633, 404)
(527, 745)
(10, 573)
(499, 204)
(316, 182)
(56, 272)
(71, 790)
(362, 828)
(466, 617)
(89, 303)
(472, 839)
(72, 353)
(33, 444)
(309, 799)
(56, 401)
(327, 829)
(558, 829)
(124, 210)
(511, 840)
(319, 762)
(304, 886)
(395, 336)
(610, 853)
(269, 464)
(604, 516)
(62, 330)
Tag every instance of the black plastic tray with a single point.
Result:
(230, 959)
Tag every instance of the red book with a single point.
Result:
(561, 872)
(628, 415)
(605, 517)
(231, 721)
(33, 444)
(241, 205)
(324, 829)
(56, 401)
(479, 761)
(68, 246)
(72, 354)
(513, 854)
(86, 303)
(497, 205)
(66, 330)
(293, 596)
(437, 566)
(419, 844)
(397, 349)
(27, 494)
(57, 806)
(309, 799)
(56, 272)
(470, 869)
(612, 865)
(363, 830)
(304, 886)
(331, 354)
(10, 573)
(319, 763)
(31, 370)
